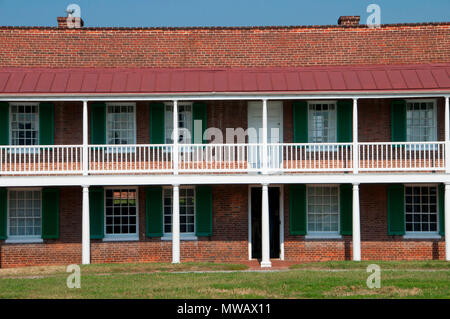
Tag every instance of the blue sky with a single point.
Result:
(149, 13)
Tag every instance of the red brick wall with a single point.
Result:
(374, 120)
(65, 250)
(229, 240)
(224, 47)
(376, 244)
(228, 243)
(68, 123)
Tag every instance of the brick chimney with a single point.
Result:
(349, 20)
(70, 22)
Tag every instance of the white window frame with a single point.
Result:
(329, 102)
(324, 234)
(183, 236)
(22, 239)
(129, 149)
(24, 149)
(121, 237)
(190, 128)
(435, 131)
(423, 234)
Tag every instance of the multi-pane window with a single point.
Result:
(187, 210)
(120, 211)
(421, 209)
(323, 209)
(322, 122)
(24, 214)
(184, 122)
(421, 121)
(121, 124)
(24, 123)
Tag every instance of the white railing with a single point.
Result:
(41, 160)
(219, 157)
(403, 156)
(289, 157)
(130, 158)
(222, 158)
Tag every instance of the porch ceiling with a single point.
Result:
(117, 81)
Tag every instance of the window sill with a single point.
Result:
(182, 237)
(422, 236)
(24, 241)
(121, 238)
(323, 236)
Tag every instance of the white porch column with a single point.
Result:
(85, 138)
(175, 137)
(356, 224)
(176, 225)
(264, 136)
(355, 137)
(85, 232)
(447, 135)
(265, 229)
(447, 221)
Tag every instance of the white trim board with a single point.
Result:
(136, 180)
(224, 96)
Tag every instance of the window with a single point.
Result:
(322, 122)
(24, 214)
(121, 123)
(421, 209)
(24, 121)
(421, 121)
(120, 212)
(323, 209)
(187, 210)
(184, 122)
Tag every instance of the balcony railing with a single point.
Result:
(41, 160)
(222, 158)
(412, 156)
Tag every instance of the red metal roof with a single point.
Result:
(153, 81)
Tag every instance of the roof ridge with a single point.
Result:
(229, 69)
(411, 24)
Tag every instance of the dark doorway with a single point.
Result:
(274, 221)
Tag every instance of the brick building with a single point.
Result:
(348, 157)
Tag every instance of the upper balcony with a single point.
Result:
(223, 158)
(353, 120)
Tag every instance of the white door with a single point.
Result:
(274, 131)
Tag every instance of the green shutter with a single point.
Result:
(96, 212)
(396, 209)
(297, 209)
(442, 209)
(154, 212)
(398, 121)
(46, 123)
(344, 121)
(3, 212)
(346, 205)
(4, 123)
(157, 123)
(300, 116)
(50, 213)
(203, 211)
(98, 123)
(199, 112)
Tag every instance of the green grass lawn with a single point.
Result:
(428, 279)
